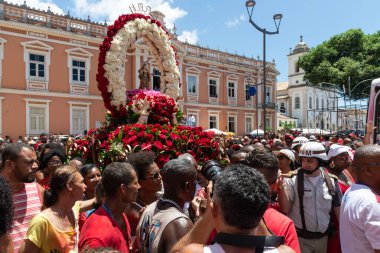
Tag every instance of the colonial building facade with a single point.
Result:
(48, 66)
(313, 107)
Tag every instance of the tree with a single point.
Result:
(350, 57)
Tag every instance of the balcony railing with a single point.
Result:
(25, 14)
(269, 106)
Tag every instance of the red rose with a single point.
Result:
(149, 137)
(158, 145)
(174, 136)
(169, 143)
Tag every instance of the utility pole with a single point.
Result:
(356, 119)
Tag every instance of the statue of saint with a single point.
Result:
(144, 76)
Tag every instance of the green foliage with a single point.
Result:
(351, 55)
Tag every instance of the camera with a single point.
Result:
(211, 170)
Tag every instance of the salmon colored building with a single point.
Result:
(48, 66)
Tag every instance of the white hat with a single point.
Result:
(313, 149)
(288, 153)
(299, 141)
(312, 138)
(31, 142)
(336, 150)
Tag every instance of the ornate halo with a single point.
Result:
(113, 51)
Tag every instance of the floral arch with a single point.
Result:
(113, 52)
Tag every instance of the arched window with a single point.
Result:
(297, 67)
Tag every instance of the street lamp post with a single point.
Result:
(250, 4)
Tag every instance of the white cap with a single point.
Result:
(288, 153)
(299, 141)
(313, 149)
(336, 150)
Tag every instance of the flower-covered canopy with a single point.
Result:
(120, 37)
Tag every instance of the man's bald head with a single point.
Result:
(366, 153)
(367, 165)
(188, 157)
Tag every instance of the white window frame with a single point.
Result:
(234, 89)
(232, 115)
(246, 92)
(2, 42)
(191, 97)
(41, 103)
(216, 87)
(37, 47)
(213, 75)
(295, 102)
(195, 113)
(216, 114)
(86, 75)
(37, 63)
(196, 84)
(77, 105)
(310, 102)
(268, 99)
(79, 54)
(248, 116)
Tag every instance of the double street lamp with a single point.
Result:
(250, 4)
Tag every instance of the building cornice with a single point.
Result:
(48, 94)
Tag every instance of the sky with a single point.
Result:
(224, 24)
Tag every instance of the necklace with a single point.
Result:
(171, 202)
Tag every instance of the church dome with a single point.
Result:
(301, 47)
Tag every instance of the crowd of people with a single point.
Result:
(290, 193)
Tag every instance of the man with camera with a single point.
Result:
(240, 198)
(164, 222)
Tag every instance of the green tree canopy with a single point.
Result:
(350, 57)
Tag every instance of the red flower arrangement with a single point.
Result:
(166, 141)
(163, 109)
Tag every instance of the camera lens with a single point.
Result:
(211, 170)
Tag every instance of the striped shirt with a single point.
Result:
(27, 204)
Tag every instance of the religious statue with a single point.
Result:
(144, 76)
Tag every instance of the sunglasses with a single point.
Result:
(54, 163)
(155, 175)
(280, 157)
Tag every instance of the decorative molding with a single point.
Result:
(48, 94)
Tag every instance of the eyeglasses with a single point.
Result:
(54, 163)
(280, 157)
(155, 175)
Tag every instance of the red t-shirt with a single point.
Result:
(282, 225)
(100, 230)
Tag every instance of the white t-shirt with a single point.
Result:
(360, 220)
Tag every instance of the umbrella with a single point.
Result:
(257, 132)
(216, 131)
